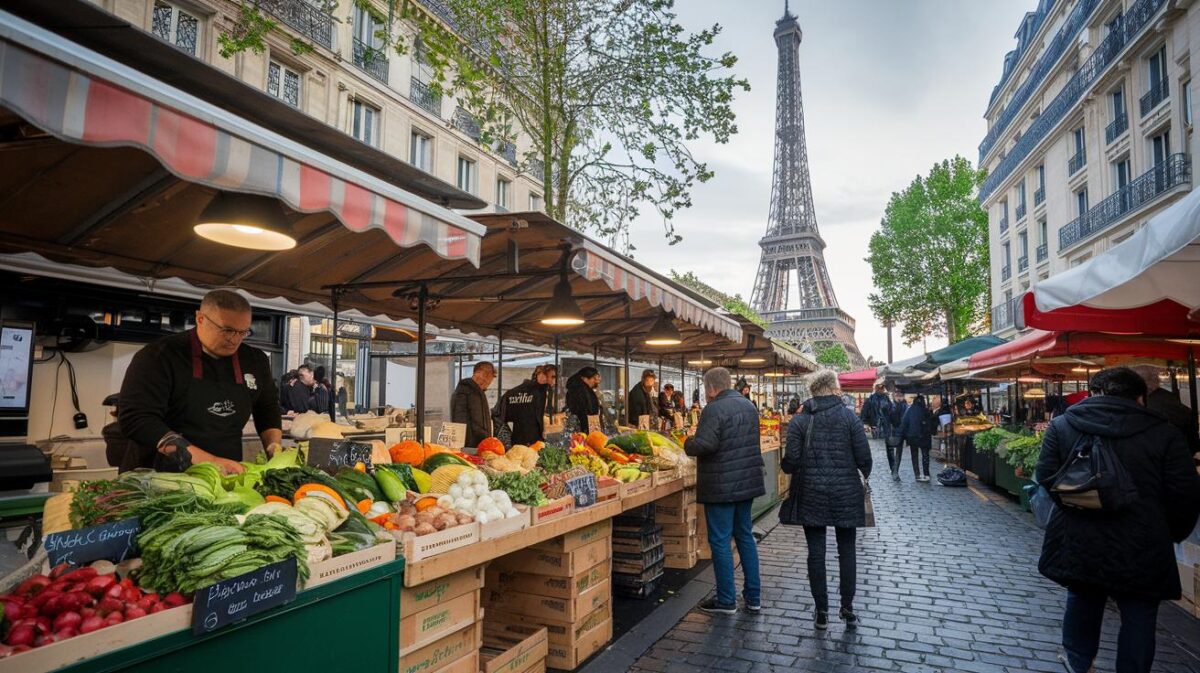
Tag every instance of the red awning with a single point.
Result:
(1165, 317)
(83, 97)
(1041, 344)
(861, 380)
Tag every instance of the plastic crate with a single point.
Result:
(638, 564)
(636, 515)
(637, 540)
(633, 580)
(640, 590)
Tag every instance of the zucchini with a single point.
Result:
(439, 459)
(395, 480)
(359, 483)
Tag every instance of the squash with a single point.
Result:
(491, 445)
(437, 460)
(409, 451)
(597, 440)
(444, 477)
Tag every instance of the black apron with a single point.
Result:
(216, 410)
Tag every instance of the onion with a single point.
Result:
(465, 519)
(455, 491)
(406, 522)
(480, 489)
(482, 517)
(424, 529)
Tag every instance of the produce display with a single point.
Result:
(627, 457)
(470, 494)
(423, 515)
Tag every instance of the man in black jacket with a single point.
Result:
(582, 399)
(525, 406)
(1124, 554)
(469, 404)
(642, 399)
(729, 476)
(1167, 403)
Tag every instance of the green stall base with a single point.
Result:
(349, 624)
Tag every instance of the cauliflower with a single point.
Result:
(525, 456)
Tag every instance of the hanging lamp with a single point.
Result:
(245, 221)
(562, 311)
(663, 333)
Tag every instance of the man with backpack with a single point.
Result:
(1126, 488)
(875, 411)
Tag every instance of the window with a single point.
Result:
(1008, 296)
(466, 175)
(1080, 260)
(1081, 202)
(1185, 93)
(420, 151)
(174, 25)
(1041, 177)
(1079, 140)
(283, 83)
(1004, 211)
(1117, 104)
(1158, 68)
(1043, 232)
(535, 201)
(1021, 196)
(1160, 148)
(1124, 237)
(367, 28)
(366, 123)
(1023, 244)
(1122, 173)
(1007, 255)
(503, 189)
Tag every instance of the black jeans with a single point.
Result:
(1135, 642)
(847, 566)
(918, 462)
(894, 454)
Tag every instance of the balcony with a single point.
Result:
(302, 17)
(1155, 96)
(1136, 20)
(509, 152)
(371, 60)
(1039, 196)
(810, 314)
(1116, 128)
(1175, 171)
(1022, 263)
(1003, 224)
(1077, 162)
(1005, 273)
(1043, 251)
(1066, 35)
(467, 123)
(1004, 315)
(537, 167)
(424, 97)
(1020, 212)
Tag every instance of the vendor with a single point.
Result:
(525, 406)
(187, 397)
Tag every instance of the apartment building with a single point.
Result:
(1089, 135)
(351, 83)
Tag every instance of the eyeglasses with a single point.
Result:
(229, 332)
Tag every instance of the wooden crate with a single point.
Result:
(497, 529)
(682, 561)
(666, 476)
(577, 538)
(340, 566)
(607, 489)
(432, 624)
(501, 655)
(466, 664)
(680, 545)
(425, 596)
(570, 656)
(559, 609)
(563, 636)
(58, 655)
(558, 564)
(548, 585)
(441, 654)
(555, 509)
(636, 487)
(418, 548)
(685, 529)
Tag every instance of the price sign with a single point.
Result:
(453, 435)
(114, 542)
(237, 598)
(393, 436)
(644, 422)
(593, 423)
(332, 454)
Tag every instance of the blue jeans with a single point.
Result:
(732, 520)
(1081, 631)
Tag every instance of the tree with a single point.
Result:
(832, 355)
(733, 304)
(929, 258)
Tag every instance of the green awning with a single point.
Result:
(957, 351)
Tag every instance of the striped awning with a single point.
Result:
(83, 97)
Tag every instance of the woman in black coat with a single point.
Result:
(826, 451)
(582, 400)
(916, 428)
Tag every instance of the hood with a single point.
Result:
(576, 382)
(1107, 416)
(816, 405)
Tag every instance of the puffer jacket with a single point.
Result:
(913, 426)
(581, 401)
(641, 403)
(1127, 553)
(825, 487)
(729, 464)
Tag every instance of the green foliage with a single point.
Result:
(249, 32)
(989, 440)
(733, 304)
(832, 355)
(300, 47)
(1022, 452)
(929, 258)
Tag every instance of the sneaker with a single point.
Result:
(713, 607)
(822, 620)
(1062, 659)
(923, 479)
(849, 617)
(753, 607)
(895, 476)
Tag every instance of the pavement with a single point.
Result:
(947, 581)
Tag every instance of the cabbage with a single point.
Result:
(240, 495)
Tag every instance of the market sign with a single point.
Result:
(246, 595)
(332, 454)
(114, 542)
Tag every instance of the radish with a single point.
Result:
(21, 634)
(60, 570)
(148, 601)
(63, 634)
(86, 612)
(91, 624)
(44, 597)
(174, 599)
(12, 611)
(67, 619)
(97, 586)
(157, 608)
(107, 606)
(32, 585)
(114, 618)
(79, 575)
(133, 612)
(115, 591)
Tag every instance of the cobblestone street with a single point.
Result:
(948, 581)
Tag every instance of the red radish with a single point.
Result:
(115, 591)
(33, 585)
(20, 635)
(43, 597)
(67, 619)
(108, 605)
(60, 570)
(53, 606)
(63, 634)
(43, 624)
(12, 611)
(174, 599)
(132, 594)
(87, 612)
(28, 611)
(148, 601)
(157, 608)
(79, 575)
(114, 618)
(91, 624)
(21, 648)
(97, 586)
(133, 612)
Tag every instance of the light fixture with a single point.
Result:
(562, 310)
(1034, 393)
(699, 363)
(752, 361)
(1031, 379)
(663, 333)
(245, 221)
(776, 375)
(1083, 370)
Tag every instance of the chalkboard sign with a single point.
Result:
(114, 542)
(583, 488)
(332, 454)
(246, 595)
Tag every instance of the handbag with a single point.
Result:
(868, 506)
(798, 475)
(1041, 504)
(1093, 478)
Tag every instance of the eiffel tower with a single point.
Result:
(792, 244)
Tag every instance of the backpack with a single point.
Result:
(870, 411)
(1093, 478)
(952, 476)
(929, 425)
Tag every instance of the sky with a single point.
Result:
(890, 87)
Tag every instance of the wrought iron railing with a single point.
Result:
(1022, 263)
(809, 314)
(509, 152)
(1020, 211)
(1158, 93)
(1135, 21)
(1003, 224)
(1116, 128)
(1005, 273)
(303, 17)
(1039, 195)
(1043, 251)
(1175, 171)
(420, 93)
(370, 60)
(537, 167)
(1004, 315)
(1077, 162)
(1066, 35)
(467, 123)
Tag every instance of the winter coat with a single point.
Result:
(1177, 414)
(1126, 553)
(469, 405)
(525, 407)
(641, 403)
(895, 415)
(914, 427)
(875, 409)
(825, 487)
(582, 401)
(729, 464)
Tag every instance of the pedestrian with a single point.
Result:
(826, 451)
(729, 476)
(343, 399)
(793, 405)
(583, 400)
(874, 411)
(642, 399)
(666, 404)
(1167, 403)
(305, 393)
(915, 429)
(1126, 554)
(469, 404)
(894, 440)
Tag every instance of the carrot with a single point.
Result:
(364, 505)
(275, 498)
(305, 489)
(425, 503)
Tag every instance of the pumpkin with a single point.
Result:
(409, 451)
(537, 446)
(597, 440)
(491, 445)
(434, 449)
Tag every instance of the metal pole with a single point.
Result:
(557, 377)
(683, 379)
(1192, 386)
(628, 385)
(500, 364)
(422, 300)
(333, 299)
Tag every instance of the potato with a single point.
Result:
(434, 511)
(406, 522)
(446, 521)
(465, 518)
(424, 529)
(424, 517)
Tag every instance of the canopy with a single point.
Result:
(1044, 345)
(1147, 284)
(862, 380)
(962, 349)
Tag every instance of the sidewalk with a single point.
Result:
(948, 581)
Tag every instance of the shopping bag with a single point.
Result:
(868, 506)
(1042, 505)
